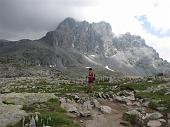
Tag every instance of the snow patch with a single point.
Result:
(93, 55)
(107, 67)
(73, 45)
(90, 60)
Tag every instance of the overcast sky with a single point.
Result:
(33, 18)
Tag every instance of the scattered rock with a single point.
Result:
(6, 91)
(124, 123)
(85, 113)
(99, 95)
(131, 116)
(62, 100)
(69, 107)
(168, 115)
(145, 104)
(81, 121)
(119, 99)
(87, 105)
(153, 116)
(76, 97)
(161, 109)
(162, 120)
(105, 109)
(168, 122)
(96, 103)
(154, 123)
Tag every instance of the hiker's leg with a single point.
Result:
(88, 87)
(91, 87)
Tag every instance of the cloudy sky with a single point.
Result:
(33, 18)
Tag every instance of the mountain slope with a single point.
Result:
(81, 44)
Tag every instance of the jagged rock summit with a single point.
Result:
(80, 44)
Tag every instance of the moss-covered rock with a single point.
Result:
(131, 116)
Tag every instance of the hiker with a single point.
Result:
(90, 80)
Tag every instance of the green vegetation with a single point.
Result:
(58, 88)
(141, 85)
(131, 117)
(157, 99)
(49, 113)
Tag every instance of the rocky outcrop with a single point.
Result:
(10, 114)
(27, 98)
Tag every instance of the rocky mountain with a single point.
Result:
(80, 44)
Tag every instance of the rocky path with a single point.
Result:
(108, 120)
(96, 112)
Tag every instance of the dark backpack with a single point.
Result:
(94, 77)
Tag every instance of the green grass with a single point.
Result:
(143, 85)
(47, 87)
(157, 99)
(51, 114)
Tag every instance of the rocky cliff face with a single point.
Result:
(80, 44)
(85, 37)
(127, 53)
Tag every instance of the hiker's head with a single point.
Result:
(90, 69)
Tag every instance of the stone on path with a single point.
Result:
(154, 123)
(105, 109)
(96, 103)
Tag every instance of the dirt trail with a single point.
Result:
(108, 120)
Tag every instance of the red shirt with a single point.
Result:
(90, 76)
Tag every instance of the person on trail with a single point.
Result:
(90, 80)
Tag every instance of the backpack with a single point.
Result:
(94, 76)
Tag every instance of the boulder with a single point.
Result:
(153, 116)
(87, 105)
(162, 120)
(69, 107)
(96, 103)
(105, 109)
(99, 95)
(154, 123)
(131, 116)
(76, 97)
(85, 113)
(119, 99)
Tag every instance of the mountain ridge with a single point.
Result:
(80, 44)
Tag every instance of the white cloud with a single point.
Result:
(43, 15)
(120, 14)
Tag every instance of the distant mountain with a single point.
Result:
(81, 44)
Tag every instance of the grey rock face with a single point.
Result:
(85, 37)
